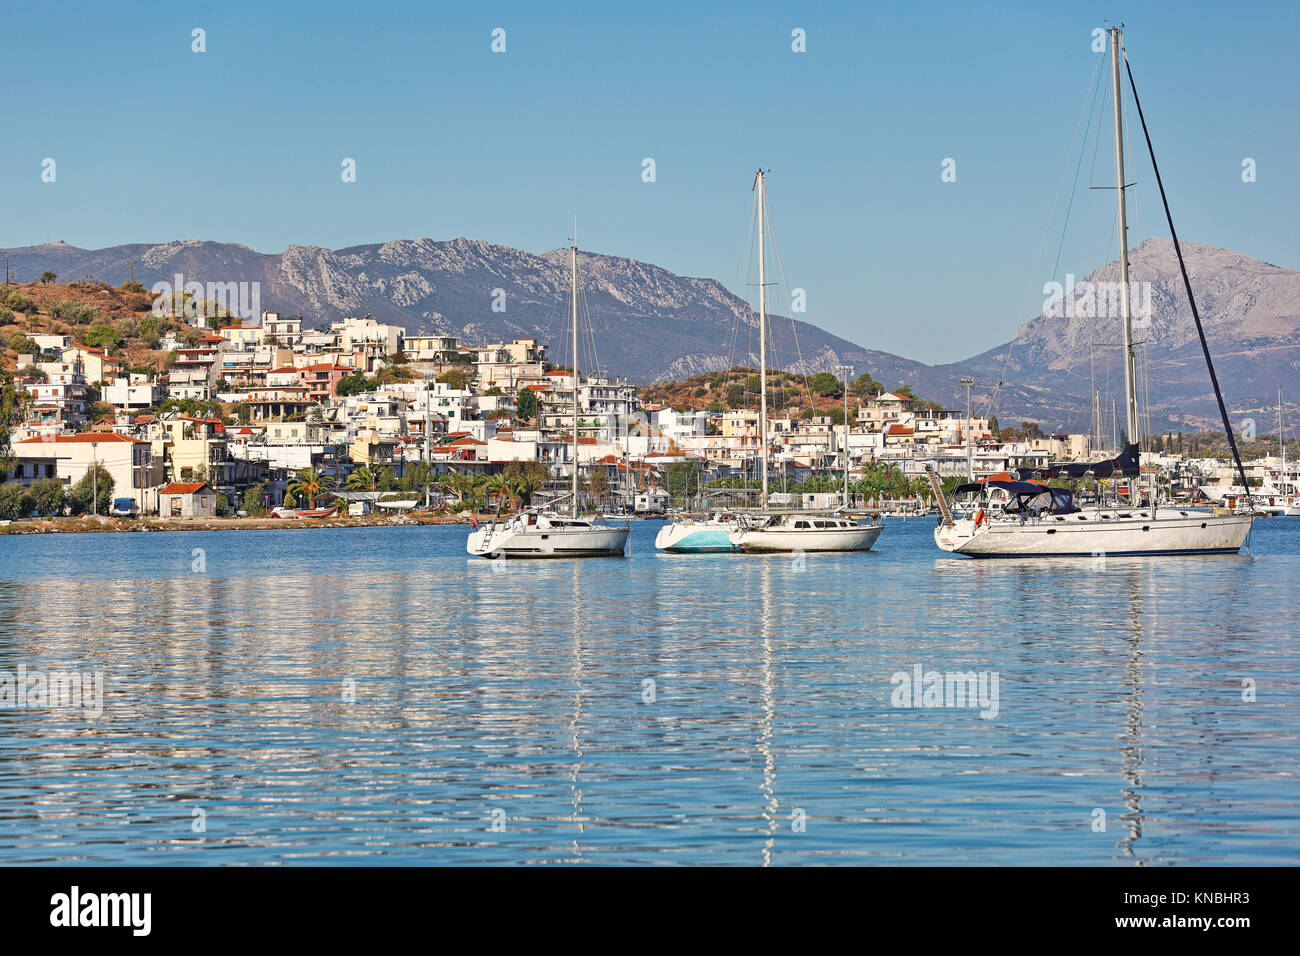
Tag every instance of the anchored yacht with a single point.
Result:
(539, 534)
(1038, 519)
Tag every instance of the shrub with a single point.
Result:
(93, 492)
(20, 302)
(253, 502)
(49, 496)
(21, 344)
(74, 312)
(103, 336)
(15, 501)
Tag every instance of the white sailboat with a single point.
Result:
(769, 531)
(1041, 521)
(541, 534)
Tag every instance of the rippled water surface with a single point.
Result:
(375, 696)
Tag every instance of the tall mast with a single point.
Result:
(573, 261)
(1130, 375)
(1281, 441)
(760, 184)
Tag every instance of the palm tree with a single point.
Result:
(524, 485)
(362, 479)
(310, 484)
(464, 486)
(497, 485)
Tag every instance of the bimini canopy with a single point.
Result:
(1126, 464)
(1007, 483)
(1029, 495)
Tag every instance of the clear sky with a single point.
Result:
(243, 143)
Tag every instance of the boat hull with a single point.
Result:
(1093, 536)
(760, 540)
(487, 542)
(695, 538)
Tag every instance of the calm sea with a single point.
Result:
(376, 696)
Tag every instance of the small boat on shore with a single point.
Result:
(305, 512)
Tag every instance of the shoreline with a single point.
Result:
(103, 524)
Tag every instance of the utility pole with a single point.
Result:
(966, 383)
(845, 371)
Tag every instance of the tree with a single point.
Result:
(525, 484)
(498, 486)
(74, 312)
(23, 345)
(865, 385)
(132, 285)
(363, 478)
(103, 337)
(526, 405)
(47, 277)
(310, 484)
(15, 501)
(355, 384)
(255, 499)
(597, 486)
(49, 497)
(93, 492)
(825, 384)
(13, 405)
(455, 377)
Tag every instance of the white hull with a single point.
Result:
(578, 539)
(1094, 533)
(697, 537)
(855, 538)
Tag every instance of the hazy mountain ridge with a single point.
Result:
(651, 325)
(1251, 313)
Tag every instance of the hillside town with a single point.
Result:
(251, 416)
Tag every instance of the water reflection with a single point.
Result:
(519, 689)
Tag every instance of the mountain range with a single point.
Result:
(651, 325)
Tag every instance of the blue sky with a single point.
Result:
(243, 143)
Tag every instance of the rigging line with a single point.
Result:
(1092, 178)
(780, 266)
(1074, 187)
(1006, 362)
(744, 269)
(1187, 284)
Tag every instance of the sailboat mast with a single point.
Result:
(1130, 375)
(573, 260)
(760, 183)
(1281, 440)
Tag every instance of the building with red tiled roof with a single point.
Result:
(194, 499)
(128, 461)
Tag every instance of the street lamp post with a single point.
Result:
(845, 371)
(966, 383)
(94, 479)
